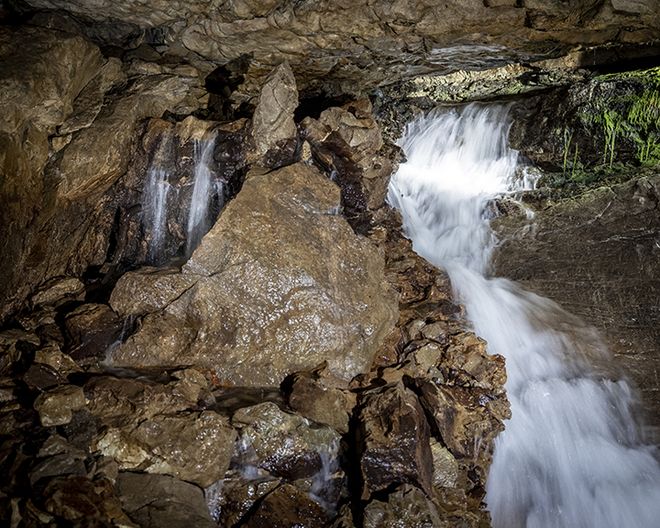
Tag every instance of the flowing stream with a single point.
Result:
(570, 456)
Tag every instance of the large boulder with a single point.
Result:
(280, 284)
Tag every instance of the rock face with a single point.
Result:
(597, 255)
(350, 46)
(63, 198)
(281, 284)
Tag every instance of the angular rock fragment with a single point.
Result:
(55, 406)
(395, 438)
(286, 445)
(155, 501)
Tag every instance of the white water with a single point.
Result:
(199, 218)
(155, 199)
(569, 456)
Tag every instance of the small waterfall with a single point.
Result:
(204, 191)
(569, 456)
(155, 215)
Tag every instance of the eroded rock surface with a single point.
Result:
(597, 255)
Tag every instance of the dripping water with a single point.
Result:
(570, 456)
(205, 190)
(155, 216)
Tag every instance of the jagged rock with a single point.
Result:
(196, 447)
(346, 143)
(91, 329)
(467, 419)
(445, 466)
(55, 406)
(286, 445)
(348, 47)
(77, 499)
(319, 397)
(53, 357)
(273, 128)
(407, 506)
(236, 497)
(282, 284)
(287, 506)
(154, 501)
(395, 438)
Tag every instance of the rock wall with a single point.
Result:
(597, 255)
(349, 47)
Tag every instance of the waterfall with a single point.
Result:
(155, 215)
(199, 218)
(569, 456)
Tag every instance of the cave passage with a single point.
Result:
(570, 455)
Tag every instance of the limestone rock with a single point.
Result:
(272, 124)
(395, 439)
(465, 418)
(597, 255)
(287, 506)
(315, 396)
(55, 406)
(196, 447)
(282, 284)
(59, 290)
(407, 506)
(235, 497)
(285, 445)
(154, 501)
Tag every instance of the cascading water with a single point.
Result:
(155, 215)
(199, 217)
(569, 456)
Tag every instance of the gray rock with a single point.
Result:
(407, 506)
(272, 123)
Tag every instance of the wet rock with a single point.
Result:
(77, 499)
(286, 445)
(319, 397)
(58, 291)
(467, 420)
(346, 144)
(160, 500)
(196, 447)
(279, 265)
(408, 506)
(287, 506)
(148, 290)
(58, 465)
(597, 255)
(272, 123)
(395, 438)
(55, 406)
(445, 466)
(54, 358)
(91, 329)
(236, 496)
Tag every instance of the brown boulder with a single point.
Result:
(282, 284)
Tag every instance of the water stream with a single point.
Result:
(199, 215)
(570, 455)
